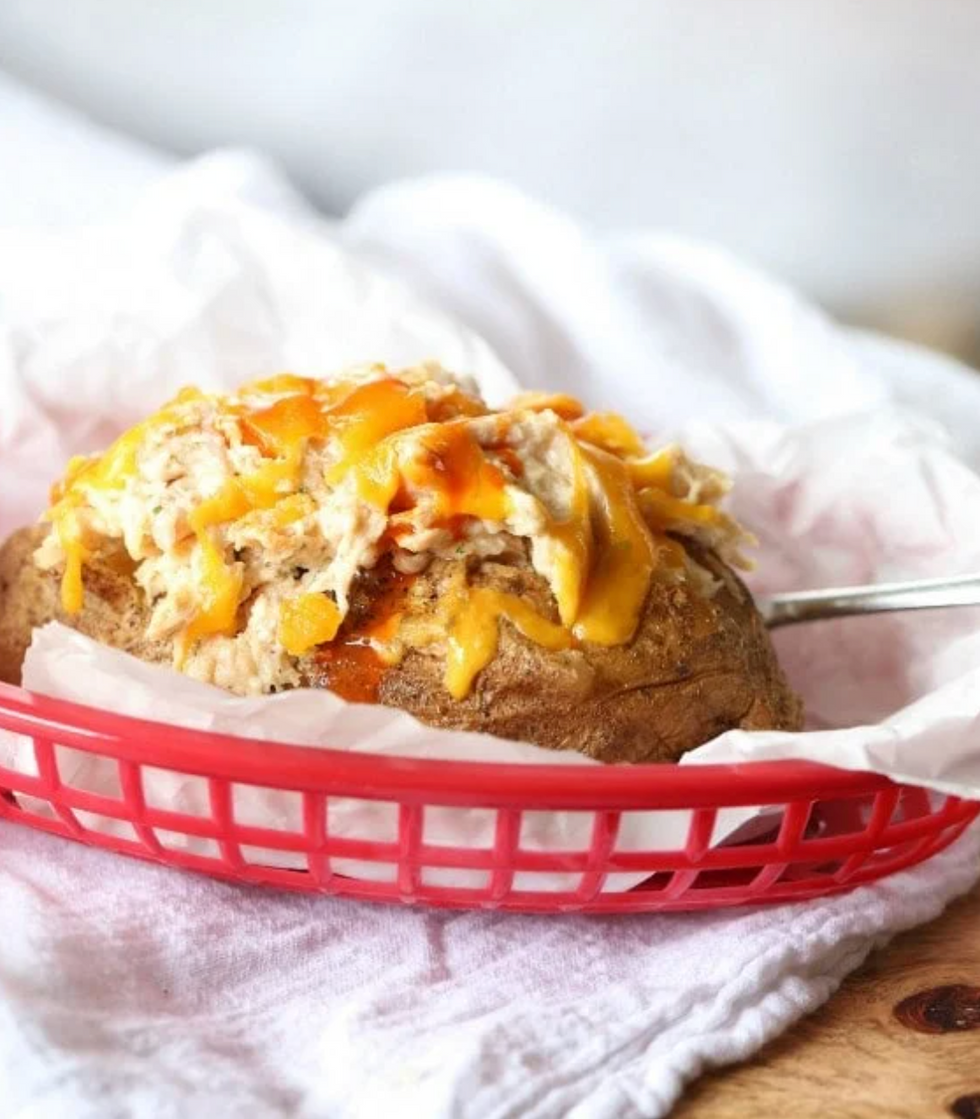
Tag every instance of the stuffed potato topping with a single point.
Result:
(533, 572)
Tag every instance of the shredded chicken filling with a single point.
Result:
(250, 515)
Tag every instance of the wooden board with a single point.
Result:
(900, 1039)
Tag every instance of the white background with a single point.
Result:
(833, 142)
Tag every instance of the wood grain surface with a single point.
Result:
(899, 1040)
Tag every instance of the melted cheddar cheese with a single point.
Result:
(306, 621)
(475, 631)
(626, 556)
(250, 515)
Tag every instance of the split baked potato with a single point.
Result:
(695, 668)
(532, 572)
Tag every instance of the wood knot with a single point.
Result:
(940, 1010)
(966, 1107)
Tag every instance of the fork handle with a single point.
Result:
(841, 602)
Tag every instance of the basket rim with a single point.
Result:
(304, 767)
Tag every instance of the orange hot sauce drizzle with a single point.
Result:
(456, 469)
(353, 671)
(352, 665)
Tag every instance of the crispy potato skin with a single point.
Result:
(695, 668)
(114, 613)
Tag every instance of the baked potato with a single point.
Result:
(695, 668)
(462, 625)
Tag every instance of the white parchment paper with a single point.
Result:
(206, 284)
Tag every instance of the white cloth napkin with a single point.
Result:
(135, 991)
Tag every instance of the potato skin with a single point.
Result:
(695, 668)
(115, 610)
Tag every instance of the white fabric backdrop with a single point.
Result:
(132, 991)
(831, 141)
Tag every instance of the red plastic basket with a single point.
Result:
(830, 829)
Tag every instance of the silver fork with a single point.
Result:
(840, 602)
